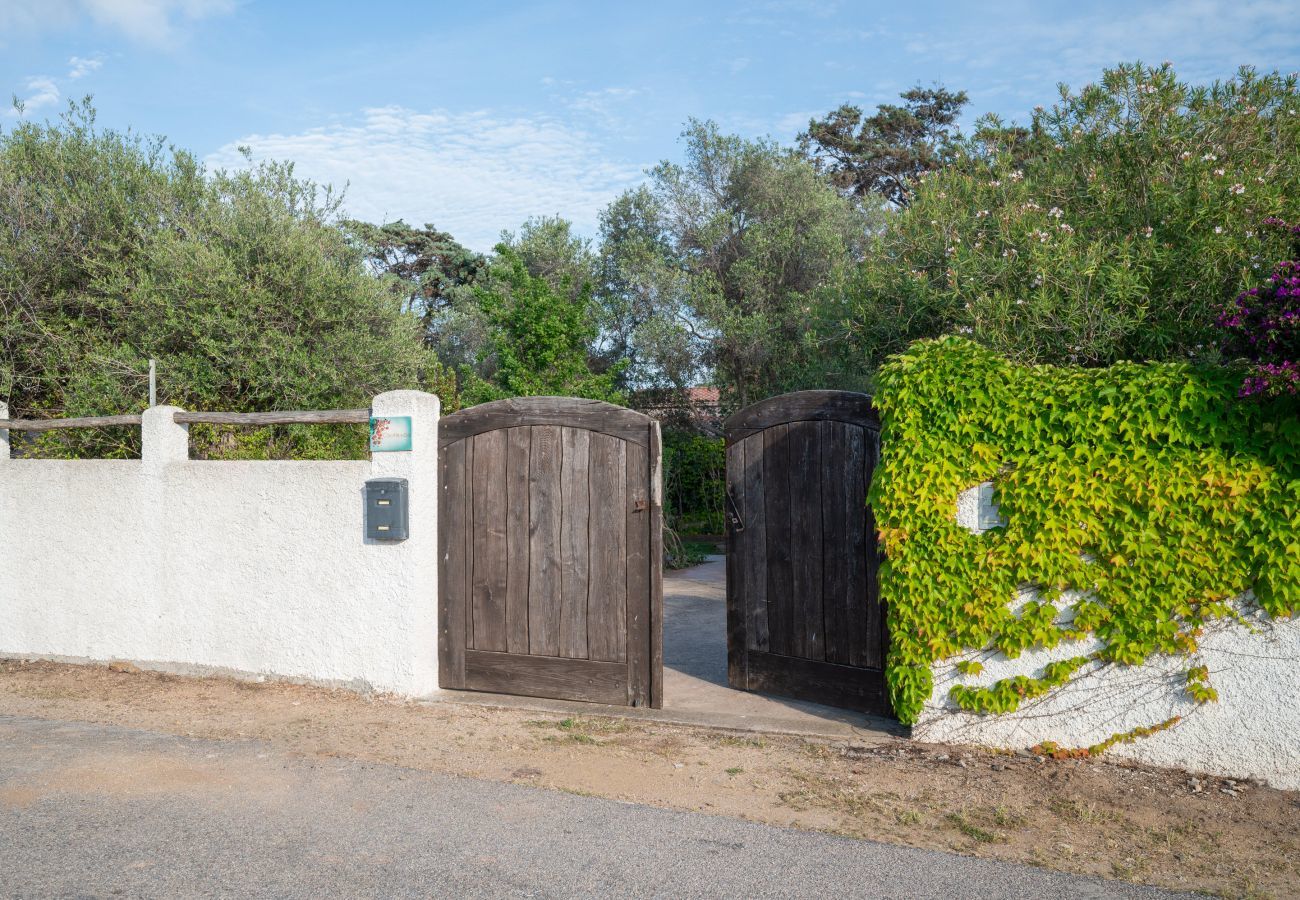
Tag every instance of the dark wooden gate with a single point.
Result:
(551, 551)
(804, 615)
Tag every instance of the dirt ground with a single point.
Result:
(1157, 827)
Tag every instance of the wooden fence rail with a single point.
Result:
(317, 417)
(320, 417)
(56, 424)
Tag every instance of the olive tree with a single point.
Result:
(728, 259)
(115, 249)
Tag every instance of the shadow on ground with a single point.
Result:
(695, 666)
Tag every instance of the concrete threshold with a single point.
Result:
(868, 730)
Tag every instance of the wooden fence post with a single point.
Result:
(4, 434)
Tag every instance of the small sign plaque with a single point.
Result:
(389, 433)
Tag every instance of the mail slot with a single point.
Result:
(386, 517)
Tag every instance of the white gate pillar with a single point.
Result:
(414, 562)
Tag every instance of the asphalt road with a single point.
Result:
(99, 811)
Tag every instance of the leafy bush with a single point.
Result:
(680, 554)
(1117, 229)
(538, 338)
(1148, 487)
(694, 473)
(719, 262)
(114, 250)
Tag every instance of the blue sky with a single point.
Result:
(476, 115)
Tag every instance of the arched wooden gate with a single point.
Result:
(804, 615)
(551, 551)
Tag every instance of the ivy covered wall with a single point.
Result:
(1140, 502)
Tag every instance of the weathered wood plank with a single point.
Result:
(738, 559)
(876, 640)
(518, 447)
(490, 561)
(856, 541)
(284, 417)
(801, 406)
(844, 562)
(544, 520)
(780, 563)
(607, 597)
(539, 676)
(848, 687)
(451, 571)
(805, 474)
(575, 516)
(56, 424)
(754, 546)
(656, 568)
(466, 540)
(570, 412)
(314, 417)
(637, 513)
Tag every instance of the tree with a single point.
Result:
(1117, 230)
(114, 250)
(549, 249)
(643, 297)
(734, 253)
(434, 276)
(538, 338)
(430, 269)
(884, 154)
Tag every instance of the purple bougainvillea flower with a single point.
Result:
(1260, 325)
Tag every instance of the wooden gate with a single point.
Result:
(804, 615)
(551, 551)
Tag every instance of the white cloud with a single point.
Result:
(40, 91)
(472, 174)
(148, 21)
(822, 9)
(43, 92)
(602, 102)
(791, 124)
(79, 67)
(1207, 39)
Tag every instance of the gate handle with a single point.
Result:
(733, 513)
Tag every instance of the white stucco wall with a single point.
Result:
(1250, 732)
(249, 567)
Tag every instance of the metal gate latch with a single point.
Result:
(733, 513)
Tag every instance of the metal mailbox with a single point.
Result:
(386, 509)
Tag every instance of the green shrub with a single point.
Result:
(694, 473)
(1150, 487)
(538, 338)
(115, 250)
(1117, 229)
